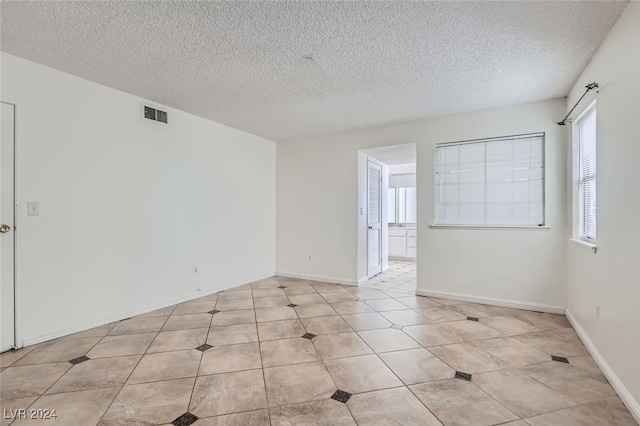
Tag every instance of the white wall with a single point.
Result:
(511, 265)
(317, 209)
(409, 168)
(402, 175)
(611, 277)
(403, 180)
(128, 207)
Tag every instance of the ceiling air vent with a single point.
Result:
(151, 113)
(161, 116)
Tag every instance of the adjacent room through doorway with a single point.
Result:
(391, 218)
(400, 277)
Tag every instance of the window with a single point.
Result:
(411, 205)
(402, 205)
(392, 206)
(491, 182)
(585, 176)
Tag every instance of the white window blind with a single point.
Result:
(491, 182)
(587, 175)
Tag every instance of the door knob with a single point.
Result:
(5, 228)
(371, 227)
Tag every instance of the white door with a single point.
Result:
(374, 218)
(7, 330)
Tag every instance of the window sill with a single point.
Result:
(584, 245)
(491, 227)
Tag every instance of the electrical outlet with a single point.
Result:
(198, 289)
(228, 264)
(598, 311)
(310, 258)
(195, 270)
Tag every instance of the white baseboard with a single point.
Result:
(119, 317)
(492, 301)
(622, 391)
(334, 280)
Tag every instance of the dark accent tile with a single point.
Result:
(341, 396)
(472, 319)
(308, 336)
(463, 376)
(124, 319)
(185, 420)
(204, 347)
(397, 327)
(80, 359)
(559, 359)
(361, 300)
(292, 305)
(283, 286)
(215, 311)
(538, 312)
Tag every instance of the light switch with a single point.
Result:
(33, 208)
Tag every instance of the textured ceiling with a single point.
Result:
(287, 70)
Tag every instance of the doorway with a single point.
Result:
(387, 247)
(7, 228)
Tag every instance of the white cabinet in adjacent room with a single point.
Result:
(412, 243)
(397, 242)
(403, 242)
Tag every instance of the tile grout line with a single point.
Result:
(472, 342)
(487, 372)
(22, 356)
(508, 365)
(129, 376)
(63, 374)
(425, 405)
(323, 361)
(388, 367)
(264, 377)
(492, 397)
(364, 341)
(195, 380)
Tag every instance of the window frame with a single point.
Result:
(400, 203)
(543, 226)
(576, 156)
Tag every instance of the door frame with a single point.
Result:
(361, 219)
(370, 161)
(16, 325)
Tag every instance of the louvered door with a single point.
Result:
(374, 218)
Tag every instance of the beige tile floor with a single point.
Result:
(247, 356)
(401, 276)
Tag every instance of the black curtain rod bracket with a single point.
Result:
(589, 88)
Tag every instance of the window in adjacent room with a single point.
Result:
(584, 131)
(392, 206)
(402, 205)
(497, 182)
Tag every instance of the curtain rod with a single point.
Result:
(589, 88)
